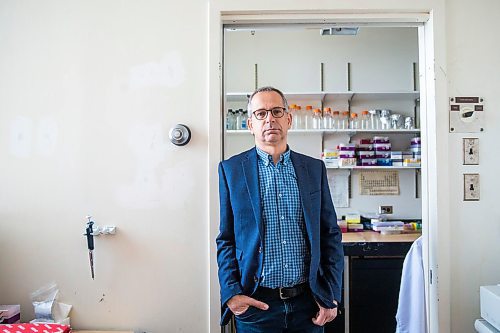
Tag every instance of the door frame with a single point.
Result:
(435, 201)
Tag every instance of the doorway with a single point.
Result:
(220, 148)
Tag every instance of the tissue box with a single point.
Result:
(10, 314)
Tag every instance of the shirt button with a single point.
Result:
(286, 265)
(260, 249)
(282, 217)
(255, 279)
(284, 242)
(279, 195)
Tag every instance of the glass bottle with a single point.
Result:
(300, 117)
(244, 116)
(327, 118)
(229, 119)
(293, 111)
(238, 119)
(317, 119)
(308, 117)
(344, 120)
(354, 121)
(374, 119)
(364, 120)
(336, 119)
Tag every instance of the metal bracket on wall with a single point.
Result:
(256, 77)
(417, 174)
(348, 76)
(322, 77)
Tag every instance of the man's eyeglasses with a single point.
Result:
(277, 112)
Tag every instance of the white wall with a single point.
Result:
(473, 70)
(88, 92)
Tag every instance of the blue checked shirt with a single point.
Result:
(286, 252)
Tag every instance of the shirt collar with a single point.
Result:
(266, 158)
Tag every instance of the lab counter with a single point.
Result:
(372, 243)
(372, 272)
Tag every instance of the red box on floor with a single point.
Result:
(35, 327)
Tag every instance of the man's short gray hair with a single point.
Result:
(265, 89)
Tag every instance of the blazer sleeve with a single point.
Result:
(332, 252)
(229, 276)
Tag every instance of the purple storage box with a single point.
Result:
(368, 162)
(365, 147)
(348, 146)
(382, 146)
(381, 139)
(365, 141)
(366, 154)
(381, 154)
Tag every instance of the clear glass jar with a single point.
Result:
(374, 119)
(385, 119)
(308, 117)
(317, 119)
(344, 120)
(336, 119)
(354, 121)
(300, 117)
(295, 119)
(327, 118)
(237, 118)
(364, 120)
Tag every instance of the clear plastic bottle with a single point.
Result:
(374, 119)
(344, 120)
(364, 120)
(354, 121)
(308, 117)
(238, 116)
(244, 116)
(317, 119)
(336, 119)
(229, 119)
(292, 108)
(327, 118)
(300, 117)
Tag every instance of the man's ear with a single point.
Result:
(249, 124)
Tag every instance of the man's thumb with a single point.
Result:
(258, 304)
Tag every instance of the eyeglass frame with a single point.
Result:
(283, 109)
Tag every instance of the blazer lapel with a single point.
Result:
(250, 170)
(302, 174)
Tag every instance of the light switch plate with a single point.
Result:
(471, 151)
(471, 187)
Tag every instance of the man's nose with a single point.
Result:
(270, 117)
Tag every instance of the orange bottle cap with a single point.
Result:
(327, 109)
(309, 107)
(364, 112)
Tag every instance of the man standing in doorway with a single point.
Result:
(279, 248)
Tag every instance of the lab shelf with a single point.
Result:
(334, 131)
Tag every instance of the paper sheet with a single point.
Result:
(375, 182)
(338, 180)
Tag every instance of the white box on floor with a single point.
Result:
(490, 304)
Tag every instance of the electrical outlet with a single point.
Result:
(385, 209)
(471, 151)
(471, 187)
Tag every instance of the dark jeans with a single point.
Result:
(283, 316)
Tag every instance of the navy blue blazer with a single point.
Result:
(241, 238)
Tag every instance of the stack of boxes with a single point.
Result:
(376, 151)
(347, 154)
